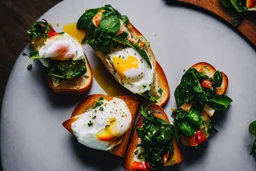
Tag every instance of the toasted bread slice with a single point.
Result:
(209, 70)
(176, 158)
(78, 85)
(132, 103)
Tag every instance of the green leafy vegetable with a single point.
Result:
(220, 102)
(226, 3)
(187, 122)
(240, 5)
(64, 70)
(252, 130)
(190, 90)
(110, 25)
(217, 79)
(156, 138)
(39, 29)
(151, 98)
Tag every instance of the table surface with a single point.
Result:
(16, 18)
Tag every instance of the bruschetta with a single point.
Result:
(200, 93)
(153, 144)
(125, 52)
(104, 123)
(66, 67)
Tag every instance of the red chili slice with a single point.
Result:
(206, 84)
(140, 166)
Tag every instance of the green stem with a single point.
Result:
(253, 147)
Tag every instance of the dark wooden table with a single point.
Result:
(16, 18)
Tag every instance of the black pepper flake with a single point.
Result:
(93, 117)
(90, 123)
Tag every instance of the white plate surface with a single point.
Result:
(33, 138)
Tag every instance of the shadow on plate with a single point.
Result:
(100, 160)
(55, 99)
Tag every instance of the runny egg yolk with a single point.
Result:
(74, 32)
(122, 65)
(109, 133)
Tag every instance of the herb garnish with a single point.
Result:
(252, 130)
(98, 103)
(101, 109)
(156, 138)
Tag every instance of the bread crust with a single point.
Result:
(219, 90)
(160, 75)
(132, 103)
(177, 157)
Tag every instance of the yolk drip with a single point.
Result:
(74, 32)
(107, 81)
(123, 65)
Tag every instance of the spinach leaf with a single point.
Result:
(220, 102)
(187, 122)
(186, 128)
(217, 79)
(39, 29)
(156, 138)
(65, 70)
(110, 25)
(194, 117)
(189, 87)
(252, 130)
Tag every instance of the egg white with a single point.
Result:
(51, 45)
(137, 80)
(86, 134)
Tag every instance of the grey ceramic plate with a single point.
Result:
(33, 138)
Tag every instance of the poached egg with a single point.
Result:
(100, 127)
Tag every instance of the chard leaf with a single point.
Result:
(220, 102)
